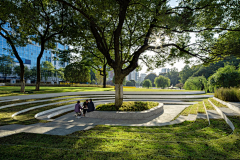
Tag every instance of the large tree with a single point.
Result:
(46, 21)
(11, 16)
(162, 82)
(151, 77)
(173, 75)
(123, 30)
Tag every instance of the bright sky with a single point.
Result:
(179, 65)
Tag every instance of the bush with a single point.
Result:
(196, 83)
(128, 106)
(228, 94)
(147, 83)
(130, 83)
(162, 82)
(226, 77)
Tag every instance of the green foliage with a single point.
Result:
(27, 72)
(130, 83)
(147, 83)
(196, 83)
(173, 75)
(210, 69)
(227, 44)
(227, 76)
(162, 82)
(228, 94)
(47, 69)
(151, 77)
(93, 82)
(77, 72)
(128, 106)
(6, 64)
(187, 72)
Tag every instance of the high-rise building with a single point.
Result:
(29, 55)
(142, 76)
(134, 75)
(165, 70)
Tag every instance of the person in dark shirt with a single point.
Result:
(91, 106)
(85, 107)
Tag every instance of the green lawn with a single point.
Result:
(189, 140)
(15, 90)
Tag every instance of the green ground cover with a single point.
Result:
(196, 141)
(218, 104)
(128, 106)
(15, 90)
(193, 109)
(28, 117)
(208, 105)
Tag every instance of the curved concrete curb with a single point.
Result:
(54, 109)
(54, 99)
(232, 107)
(223, 116)
(206, 112)
(44, 105)
(60, 112)
(126, 114)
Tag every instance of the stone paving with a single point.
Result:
(68, 123)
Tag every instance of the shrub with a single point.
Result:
(130, 83)
(228, 94)
(128, 106)
(162, 82)
(196, 83)
(226, 77)
(147, 83)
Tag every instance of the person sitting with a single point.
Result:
(78, 108)
(91, 106)
(85, 107)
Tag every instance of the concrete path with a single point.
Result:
(68, 123)
(229, 112)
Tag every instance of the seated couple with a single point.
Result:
(87, 107)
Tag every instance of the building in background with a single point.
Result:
(142, 76)
(110, 75)
(134, 75)
(164, 70)
(29, 55)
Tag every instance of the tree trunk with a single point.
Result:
(118, 89)
(38, 74)
(39, 66)
(22, 81)
(104, 75)
(21, 64)
(118, 95)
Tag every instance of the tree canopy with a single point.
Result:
(196, 83)
(151, 77)
(162, 82)
(227, 77)
(147, 83)
(77, 72)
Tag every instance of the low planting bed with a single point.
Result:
(129, 110)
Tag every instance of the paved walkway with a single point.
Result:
(68, 123)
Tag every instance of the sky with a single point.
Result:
(179, 65)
